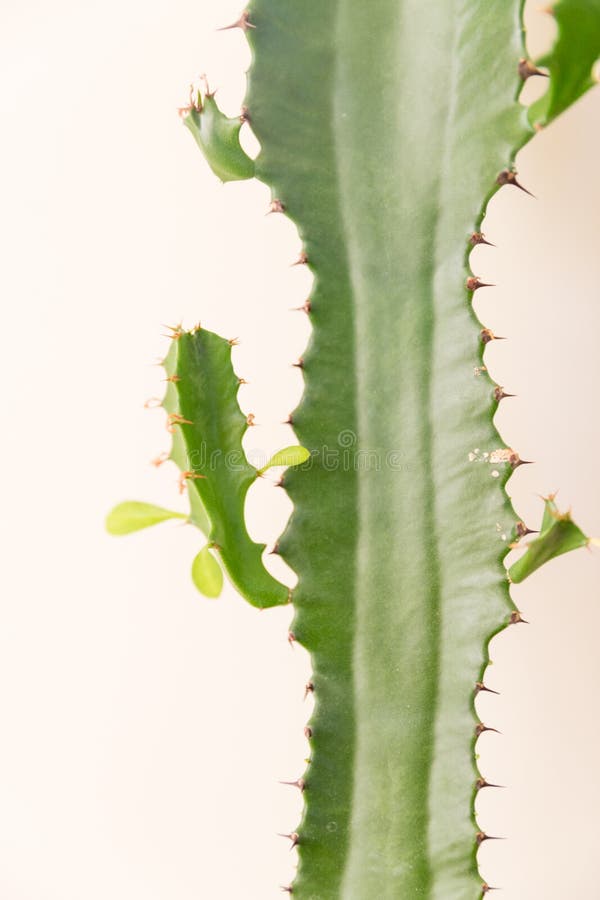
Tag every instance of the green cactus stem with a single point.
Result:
(384, 130)
(207, 426)
(212, 426)
(218, 137)
(571, 60)
(558, 534)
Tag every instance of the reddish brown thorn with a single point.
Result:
(279, 483)
(242, 381)
(244, 114)
(243, 22)
(486, 336)
(522, 529)
(233, 342)
(481, 783)
(516, 461)
(308, 689)
(509, 177)
(308, 732)
(287, 889)
(516, 618)
(306, 307)
(172, 378)
(527, 69)
(480, 686)
(300, 784)
(473, 283)
(500, 394)
(274, 551)
(250, 420)
(478, 238)
(480, 728)
(275, 206)
(294, 837)
(289, 420)
(481, 837)
(299, 364)
(291, 638)
(486, 888)
(302, 260)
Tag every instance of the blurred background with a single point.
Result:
(145, 728)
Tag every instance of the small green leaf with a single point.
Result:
(289, 456)
(207, 574)
(133, 516)
(559, 534)
(219, 139)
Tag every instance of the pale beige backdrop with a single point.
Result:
(143, 729)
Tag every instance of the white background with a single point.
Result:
(143, 729)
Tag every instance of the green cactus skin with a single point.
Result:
(559, 534)
(384, 129)
(219, 138)
(208, 427)
(570, 63)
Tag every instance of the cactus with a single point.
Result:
(386, 169)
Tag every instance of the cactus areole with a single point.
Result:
(384, 129)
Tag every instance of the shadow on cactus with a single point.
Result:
(386, 170)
